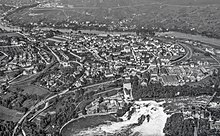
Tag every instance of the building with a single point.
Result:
(127, 90)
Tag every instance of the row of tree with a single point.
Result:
(157, 90)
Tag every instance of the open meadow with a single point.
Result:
(9, 114)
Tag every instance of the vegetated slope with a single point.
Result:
(200, 18)
(177, 125)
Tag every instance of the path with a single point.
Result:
(48, 99)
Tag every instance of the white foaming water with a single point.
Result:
(152, 128)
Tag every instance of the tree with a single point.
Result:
(173, 125)
(101, 99)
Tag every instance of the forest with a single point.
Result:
(157, 90)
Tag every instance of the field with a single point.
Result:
(32, 89)
(9, 115)
(12, 74)
(28, 103)
(85, 122)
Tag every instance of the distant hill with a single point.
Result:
(97, 3)
(18, 2)
(114, 3)
(201, 16)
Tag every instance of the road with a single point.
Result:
(84, 115)
(38, 112)
(118, 88)
(35, 107)
(101, 83)
(215, 59)
(77, 63)
(52, 97)
(210, 100)
(48, 99)
(41, 102)
(58, 59)
(43, 58)
(75, 55)
(95, 54)
(188, 54)
(133, 53)
(186, 46)
(33, 77)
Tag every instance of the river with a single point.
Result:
(216, 42)
(212, 41)
(66, 30)
(6, 26)
(152, 127)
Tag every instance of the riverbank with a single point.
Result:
(74, 126)
(7, 27)
(200, 38)
(66, 30)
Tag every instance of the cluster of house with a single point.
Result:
(138, 54)
(108, 104)
(22, 60)
(179, 75)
